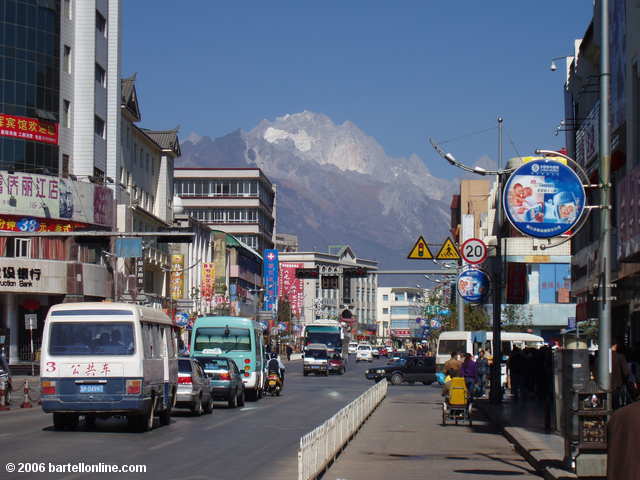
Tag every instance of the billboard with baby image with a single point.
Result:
(544, 198)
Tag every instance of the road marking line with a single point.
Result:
(166, 444)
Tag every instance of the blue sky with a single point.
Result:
(402, 71)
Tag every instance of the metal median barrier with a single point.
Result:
(320, 447)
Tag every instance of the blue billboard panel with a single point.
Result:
(473, 285)
(270, 279)
(544, 198)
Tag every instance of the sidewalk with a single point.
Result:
(523, 425)
(404, 439)
(17, 395)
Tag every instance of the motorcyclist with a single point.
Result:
(276, 366)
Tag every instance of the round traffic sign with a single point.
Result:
(474, 251)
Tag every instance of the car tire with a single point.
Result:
(197, 408)
(233, 401)
(411, 382)
(208, 407)
(396, 379)
(305, 373)
(90, 421)
(165, 417)
(427, 383)
(241, 399)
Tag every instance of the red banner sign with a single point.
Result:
(10, 223)
(290, 287)
(28, 129)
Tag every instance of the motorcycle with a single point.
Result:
(273, 385)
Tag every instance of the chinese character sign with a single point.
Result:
(270, 279)
(544, 198)
(28, 129)
(177, 277)
(291, 288)
(208, 281)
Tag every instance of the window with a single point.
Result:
(22, 247)
(66, 61)
(92, 338)
(66, 114)
(67, 9)
(101, 76)
(385, 310)
(385, 298)
(65, 165)
(99, 127)
(101, 23)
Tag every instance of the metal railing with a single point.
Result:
(320, 447)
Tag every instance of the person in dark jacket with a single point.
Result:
(619, 375)
(289, 352)
(624, 436)
(469, 371)
(482, 370)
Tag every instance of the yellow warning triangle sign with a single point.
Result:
(420, 250)
(448, 251)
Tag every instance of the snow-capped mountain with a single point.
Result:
(336, 185)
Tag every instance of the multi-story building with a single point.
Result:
(581, 124)
(285, 242)
(344, 282)
(397, 311)
(239, 201)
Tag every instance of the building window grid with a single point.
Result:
(101, 75)
(101, 23)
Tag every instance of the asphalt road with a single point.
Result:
(257, 441)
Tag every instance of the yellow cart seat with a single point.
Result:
(458, 391)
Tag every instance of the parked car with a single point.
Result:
(353, 347)
(194, 389)
(364, 353)
(337, 365)
(406, 369)
(225, 378)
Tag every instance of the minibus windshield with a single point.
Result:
(91, 338)
(223, 338)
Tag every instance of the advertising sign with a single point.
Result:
(270, 279)
(473, 284)
(544, 198)
(291, 288)
(220, 261)
(208, 281)
(28, 129)
(177, 276)
(181, 319)
(53, 198)
(140, 274)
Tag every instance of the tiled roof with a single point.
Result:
(167, 139)
(127, 86)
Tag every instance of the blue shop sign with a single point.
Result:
(544, 198)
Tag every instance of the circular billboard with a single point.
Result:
(473, 284)
(544, 198)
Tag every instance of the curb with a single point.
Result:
(538, 457)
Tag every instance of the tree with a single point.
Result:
(284, 310)
(516, 318)
(476, 318)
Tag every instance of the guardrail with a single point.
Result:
(320, 447)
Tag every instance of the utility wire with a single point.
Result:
(513, 145)
(467, 135)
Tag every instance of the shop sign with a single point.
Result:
(28, 129)
(32, 276)
(400, 332)
(208, 280)
(473, 284)
(291, 287)
(28, 224)
(544, 198)
(177, 276)
(52, 198)
(140, 274)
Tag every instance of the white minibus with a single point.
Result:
(105, 359)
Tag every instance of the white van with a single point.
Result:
(472, 342)
(104, 359)
(353, 347)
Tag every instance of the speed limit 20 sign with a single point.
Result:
(474, 251)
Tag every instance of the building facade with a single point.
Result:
(239, 201)
(397, 311)
(344, 283)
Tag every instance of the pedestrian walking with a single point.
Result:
(482, 370)
(469, 371)
(515, 366)
(624, 435)
(619, 375)
(289, 352)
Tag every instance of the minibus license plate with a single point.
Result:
(91, 388)
(315, 366)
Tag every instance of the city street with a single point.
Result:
(259, 440)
